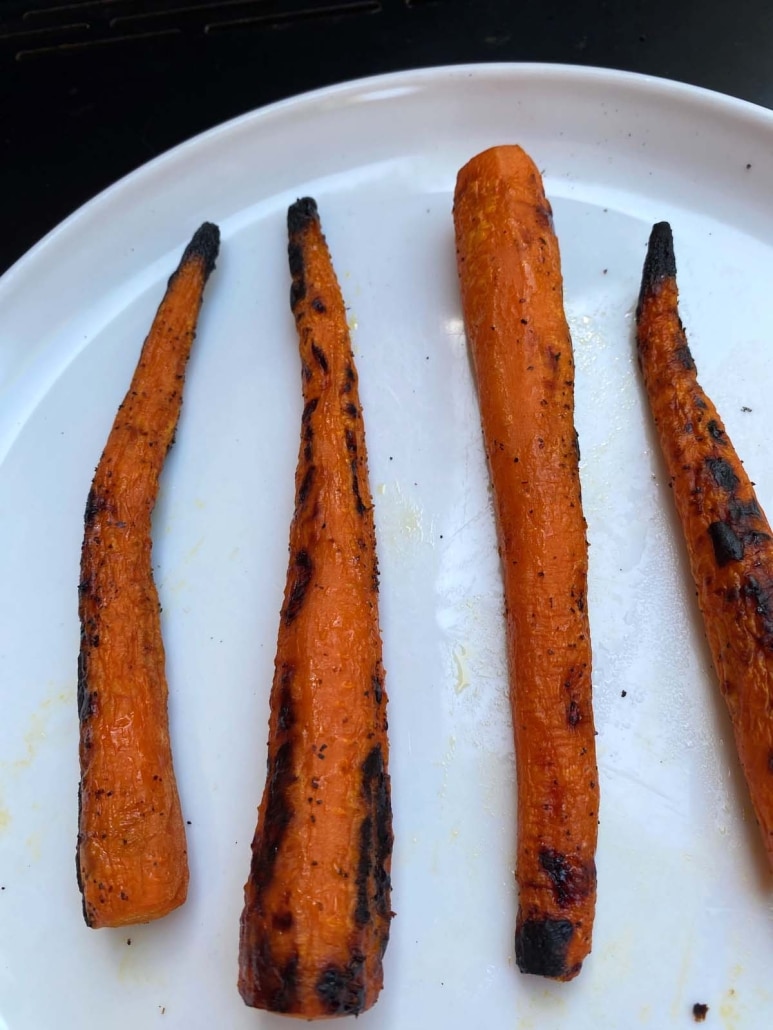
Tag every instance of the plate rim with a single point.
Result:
(417, 78)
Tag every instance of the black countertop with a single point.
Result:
(92, 89)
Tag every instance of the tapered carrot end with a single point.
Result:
(301, 214)
(205, 245)
(660, 262)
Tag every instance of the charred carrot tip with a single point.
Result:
(205, 244)
(301, 214)
(660, 262)
(541, 946)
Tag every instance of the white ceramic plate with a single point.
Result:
(685, 911)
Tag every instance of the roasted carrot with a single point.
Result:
(317, 912)
(729, 540)
(131, 858)
(512, 298)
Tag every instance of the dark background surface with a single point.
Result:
(91, 89)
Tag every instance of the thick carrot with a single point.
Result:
(316, 916)
(511, 287)
(131, 859)
(729, 539)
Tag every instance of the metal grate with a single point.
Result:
(30, 30)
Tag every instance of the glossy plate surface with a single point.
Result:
(685, 909)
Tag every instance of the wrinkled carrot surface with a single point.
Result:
(316, 916)
(512, 297)
(131, 857)
(728, 537)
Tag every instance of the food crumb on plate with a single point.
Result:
(699, 1011)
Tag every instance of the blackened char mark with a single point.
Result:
(265, 982)
(96, 503)
(278, 815)
(341, 989)
(351, 446)
(740, 511)
(378, 685)
(87, 912)
(659, 264)
(298, 273)
(306, 484)
(286, 713)
(683, 355)
(543, 215)
(722, 473)
(715, 431)
(204, 246)
(308, 441)
(375, 841)
(301, 571)
(307, 429)
(301, 215)
(571, 882)
(349, 378)
(319, 356)
(84, 694)
(727, 545)
(573, 713)
(541, 946)
(364, 868)
(308, 410)
(359, 504)
(761, 595)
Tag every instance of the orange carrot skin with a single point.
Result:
(131, 858)
(512, 297)
(729, 539)
(316, 917)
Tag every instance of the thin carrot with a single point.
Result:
(131, 859)
(729, 540)
(511, 287)
(316, 916)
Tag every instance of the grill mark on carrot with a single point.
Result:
(728, 547)
(727, 535)
(317, 900)
(286, 716)
(341, 988)
(570, 882)
(373, 880)
(320, 356)
(722, 473)
(348, 380)
(306, 484)
(279, 814)
(359, 503)
(301, 574)
(131, 855)
(510, 278)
